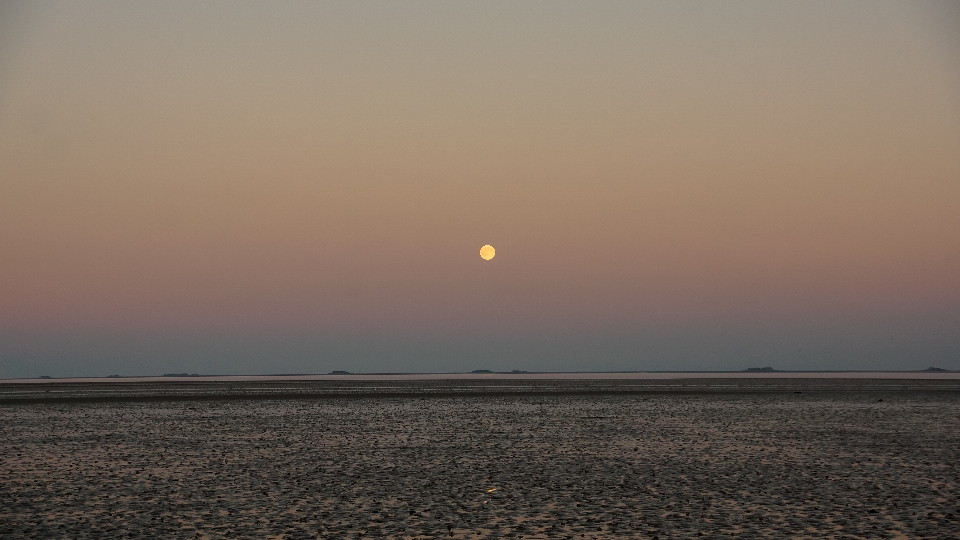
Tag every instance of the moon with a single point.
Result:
(487, 252)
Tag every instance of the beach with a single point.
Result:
(768, 457)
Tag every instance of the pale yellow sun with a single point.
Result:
(487, 252)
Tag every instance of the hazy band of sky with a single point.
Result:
(271, 187)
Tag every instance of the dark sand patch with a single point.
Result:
(700, 465)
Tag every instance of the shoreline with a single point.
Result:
(540, 375)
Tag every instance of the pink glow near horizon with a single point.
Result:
(331, 168)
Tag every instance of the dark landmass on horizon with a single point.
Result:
(490, 372)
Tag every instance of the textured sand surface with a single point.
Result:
(61, 390)
(777, 465)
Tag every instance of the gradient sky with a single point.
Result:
(273, 187)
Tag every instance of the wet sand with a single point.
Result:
(780, 459)
(371, 386)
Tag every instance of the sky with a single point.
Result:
(300, 187)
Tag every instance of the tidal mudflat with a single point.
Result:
(863, 463)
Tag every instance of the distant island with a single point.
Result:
(761, 369)
(339, 372)
(936, 369)
(178, 375)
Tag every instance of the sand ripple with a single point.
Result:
(589, 466)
